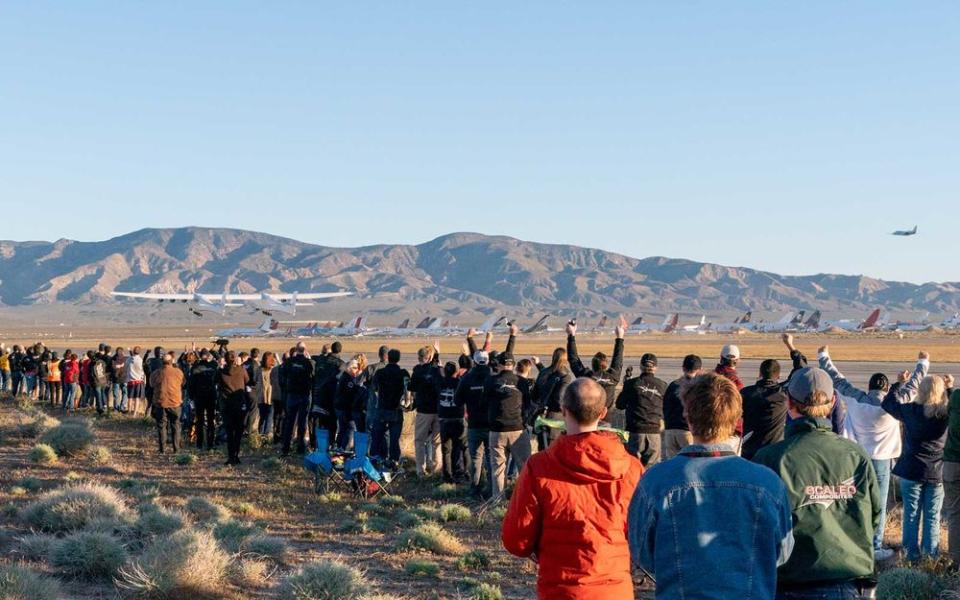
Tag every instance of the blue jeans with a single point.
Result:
(265, 426)
(297, 407)
(882, 468)
(837, 591)
(69, 394)
(100, 397)
(4, 380)
(29, 384)
(389, 425)
(921, 501)
(345, 429)
(119, 397)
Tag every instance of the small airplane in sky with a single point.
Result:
(907, 232)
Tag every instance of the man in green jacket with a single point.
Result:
(834, 494)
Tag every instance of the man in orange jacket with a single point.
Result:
(568, 512)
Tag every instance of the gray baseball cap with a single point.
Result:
(808, 380)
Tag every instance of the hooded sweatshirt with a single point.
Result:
(570, 510)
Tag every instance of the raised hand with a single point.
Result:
(618, 331)
(823, 350)
(471, 332)
(948, 380)
(571, 328)
(788, 340)
(535, 360)
(903, 376)
(924, 355)
(514, 330)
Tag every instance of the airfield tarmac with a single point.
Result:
(857, 355)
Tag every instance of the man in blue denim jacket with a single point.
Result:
(707, 523)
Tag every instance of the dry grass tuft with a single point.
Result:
(205, 511)
(325, 580)
(187, 564)
(70, 438)
(42, 454)
(433, 538)
(86, 554)
(20, 583)
(74, 507)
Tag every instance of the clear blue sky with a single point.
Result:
(784, 136)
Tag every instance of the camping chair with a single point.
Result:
(367, 480)
(326, 472)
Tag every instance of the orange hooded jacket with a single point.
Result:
(569, 511)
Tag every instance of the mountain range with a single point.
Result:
(453, 272)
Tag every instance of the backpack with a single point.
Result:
(98, 372)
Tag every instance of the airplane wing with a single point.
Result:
(157, 296)
(312, 296)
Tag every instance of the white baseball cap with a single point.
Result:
(730, 351)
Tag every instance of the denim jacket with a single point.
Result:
(709, 524)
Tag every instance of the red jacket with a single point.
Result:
(730, 372)
(69, 371)
(570, 510)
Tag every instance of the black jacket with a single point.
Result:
(549, 389)
(350, 394)
(504, 398)
(764, 414)
(642, 399)
(447, 401)
(391, 383)
(470, 394)
(326, 367)
(255, 373)
(924, 439)
(423, 384)
(296, 375)
(608, 379)
(202, 381)
(673, 408)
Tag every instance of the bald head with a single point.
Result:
(585, 401)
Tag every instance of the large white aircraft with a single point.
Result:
(699, 328)
(268, 328)
(906, 232)
(791, 321)
(742, 323)
(868, 324)
(669, 325)
(951, 323)
(906, 326)
(266, 302)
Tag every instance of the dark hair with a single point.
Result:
(465, 362)
(450, 369)
(770, 369)
(585, 400)
(336, 347)
(254, 352)
(599, 363)
(524, 365)
(393, 356)
(382, 352)
(692, 362)
(879, 381)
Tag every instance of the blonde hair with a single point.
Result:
(712, 406)
(361, 359)
(425, 354)
(819, 407)
(933, 397)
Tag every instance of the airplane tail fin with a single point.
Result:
(268, 324)
(747, 317)
(488, 324)
(814, 321)
(404, 324)
(603, 322)
(871, 320)
(638, 321)
(536, 326)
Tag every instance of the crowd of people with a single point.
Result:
(714, 488)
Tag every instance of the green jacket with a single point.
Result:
(835, 499)
(951, 452)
